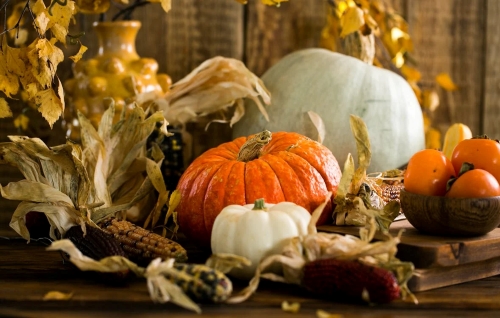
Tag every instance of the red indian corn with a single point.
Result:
(332, 277)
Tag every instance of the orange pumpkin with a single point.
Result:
(277, 167)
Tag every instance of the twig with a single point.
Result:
(127, 11)
(18, 23)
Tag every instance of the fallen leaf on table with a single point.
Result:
(57, 295)
(290, 307)
(324, 314)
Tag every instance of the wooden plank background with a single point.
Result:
(458, 37)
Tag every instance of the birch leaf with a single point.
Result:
(444, 80)
(9, 80)
(272, 2)
(60, 17)
(78, 56)
(165, 4)
(351, 21)
(50, 105)
(21, 122)
(4, 108)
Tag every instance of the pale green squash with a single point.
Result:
(335, 86)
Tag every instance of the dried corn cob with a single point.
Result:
(332, 277)
(97, 245)
(202, 283)
(141, 245)
(390, 191)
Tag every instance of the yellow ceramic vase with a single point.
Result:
(117, 71)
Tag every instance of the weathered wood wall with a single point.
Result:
(459, 37)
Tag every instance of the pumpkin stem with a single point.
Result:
(259, 204)
(252, 147)
(360, 46)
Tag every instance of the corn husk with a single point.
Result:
(73, 184)
(355, 184)
(160, 289)
(312, 246)
(56, 183)
(213, 87)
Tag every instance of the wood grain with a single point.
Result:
(440, 215)
(272, 32)
(427, 251)
(491, 112)
(449, 37)
(27, 272)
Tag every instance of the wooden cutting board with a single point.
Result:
(440, 261)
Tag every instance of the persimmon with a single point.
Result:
(482, 152)
(475, 183)
(427, 173)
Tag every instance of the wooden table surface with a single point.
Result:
(27, 272)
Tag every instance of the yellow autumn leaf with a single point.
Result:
(273, 2)
(433, 139)
(10, 82)
(42, 19)
(351, 21)
(324, 314)
(4, 109)
(31, 90)
(57, 295)
(60, 17)
(22, 121)
(444, 80)
(15, 15)
(21, 37)
(50, 105)
(44, 58)
(96, 6)
(78, 56)
(290, 307)
(165, 4)
(410, 73)
(13, 59)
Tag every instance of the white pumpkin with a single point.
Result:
(257, 230)
(335, 86)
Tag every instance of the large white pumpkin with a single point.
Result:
(335, 86)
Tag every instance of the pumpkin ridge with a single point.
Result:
(216, 197)
(293, 190)
(312, 181)
(331, 174)
(265, 186)
(191, 208)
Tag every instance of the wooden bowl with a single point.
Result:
(451, 216)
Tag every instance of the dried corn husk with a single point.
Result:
(71, 185)
(56, 183)
(216, 85)
(314, 245)
(355, 184)
(160, 288)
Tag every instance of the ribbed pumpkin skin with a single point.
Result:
(290, 168)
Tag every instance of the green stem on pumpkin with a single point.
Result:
(259, 204)
(252, 147)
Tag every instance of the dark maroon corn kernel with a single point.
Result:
(332, 277)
